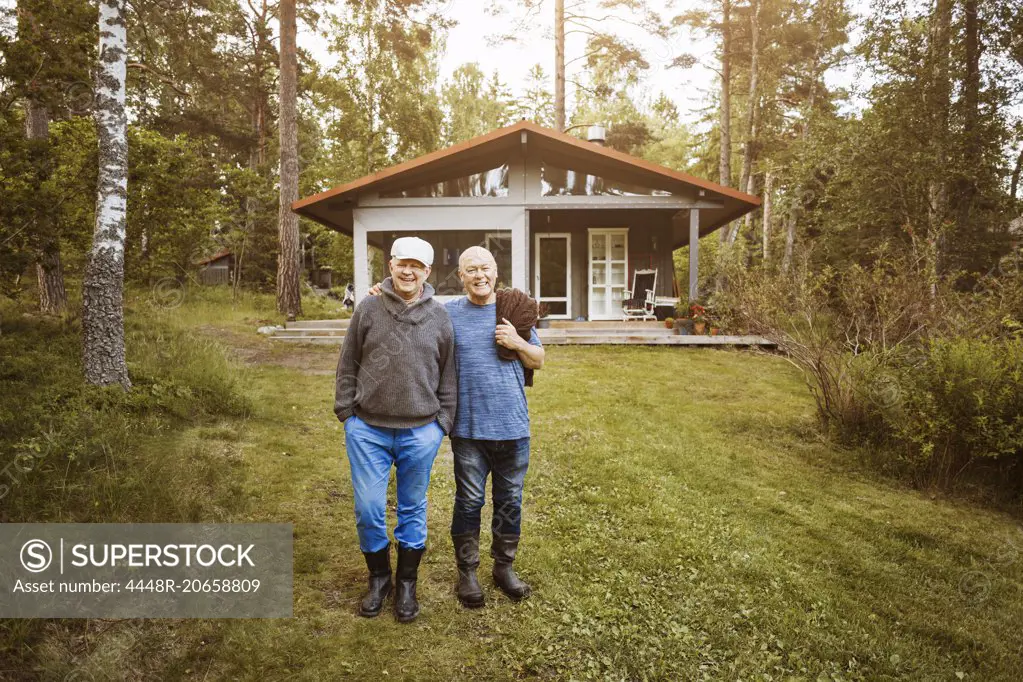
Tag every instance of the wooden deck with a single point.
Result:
(560, 333)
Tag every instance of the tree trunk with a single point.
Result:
(725, 121)
(790, 241)
(725, 114)
(749, 148)
(49, 272)
(559, 65)
(941, 89)
(747, 228)
(1016, 174)
(766, 218)
(289, 301)
(971, 117)
(103, 287)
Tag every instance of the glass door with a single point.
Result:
(553, 269)
(608, 266)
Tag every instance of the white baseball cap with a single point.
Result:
(412, 247)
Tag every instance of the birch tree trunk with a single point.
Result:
(289, 301)
(103, 288)
(559, 65)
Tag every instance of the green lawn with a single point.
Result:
(683, 521)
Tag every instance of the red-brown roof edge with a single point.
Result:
(528, 126)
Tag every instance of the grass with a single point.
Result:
(683, 521)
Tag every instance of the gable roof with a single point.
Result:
(473, 155)
(222, 253)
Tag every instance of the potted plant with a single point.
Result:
(698, 314)
(714, 331)
(669, 322)
(542, 322)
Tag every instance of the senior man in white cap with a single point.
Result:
(396, 392)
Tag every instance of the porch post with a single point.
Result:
(694, 253)
(360, 250)
(518, 240)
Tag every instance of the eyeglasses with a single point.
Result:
(482, 269)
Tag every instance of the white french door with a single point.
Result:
(608, 269)
(553, 267)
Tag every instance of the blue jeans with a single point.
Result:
(507, 461)
(372, 450)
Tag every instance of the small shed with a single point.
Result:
(567, 219)
(218, 268)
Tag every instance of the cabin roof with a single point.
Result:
(480, 153)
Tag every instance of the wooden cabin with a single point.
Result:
(567, 219)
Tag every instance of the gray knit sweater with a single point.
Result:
(397, 364)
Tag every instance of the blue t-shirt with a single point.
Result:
(491, 391)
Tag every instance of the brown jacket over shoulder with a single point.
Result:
(518, 308)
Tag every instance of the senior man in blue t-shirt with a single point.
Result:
(491, 431)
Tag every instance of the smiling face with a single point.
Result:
(407, 276)
(478, 271)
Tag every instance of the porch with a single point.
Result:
(560, 333)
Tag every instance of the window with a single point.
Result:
(490, 183)
(560, 182)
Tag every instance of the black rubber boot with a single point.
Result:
(503, 550)
(406, 608)
(467, 556)
(379, 565)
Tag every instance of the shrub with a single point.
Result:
(932, 376)
(961, 407)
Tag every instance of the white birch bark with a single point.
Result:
(103, 288)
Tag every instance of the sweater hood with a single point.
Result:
(402, 312)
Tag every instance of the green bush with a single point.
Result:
(929, 379)
(960, 407)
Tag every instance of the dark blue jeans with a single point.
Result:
(506, 461)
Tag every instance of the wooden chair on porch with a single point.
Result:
(634, 301)
(667, 305)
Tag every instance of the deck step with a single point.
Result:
(560, 333)
(651, 340)
(605, 331)
(311, 331)
(584, 340)
(317, 324)
(296, 338)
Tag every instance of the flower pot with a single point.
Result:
(669, 323)
(683, 327)
(699, 327)
(714, 331)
